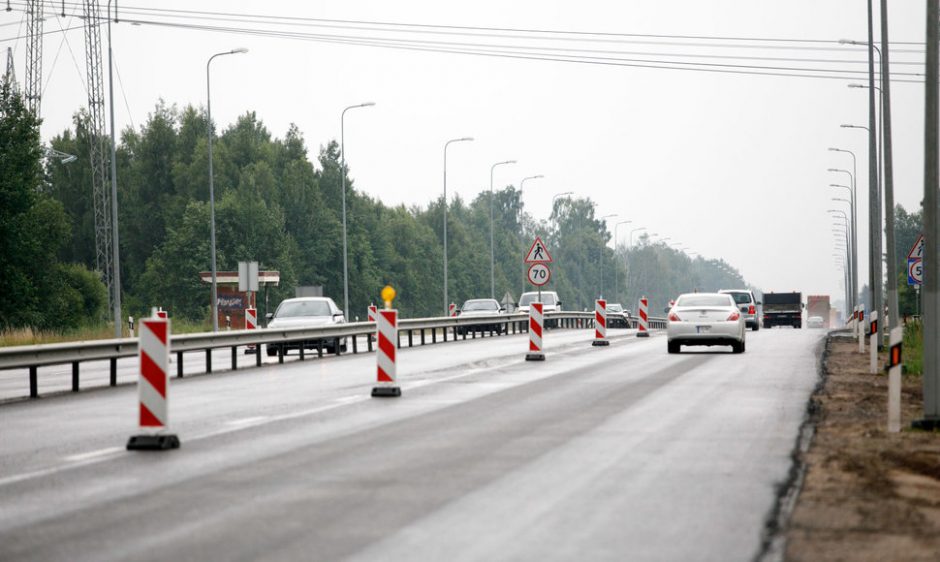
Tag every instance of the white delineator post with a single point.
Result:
(873, 360)
(643, 327)
(894, 379)
(536, 322)
(153, 386)
(600, 323)
(386, 328)
(861, 328)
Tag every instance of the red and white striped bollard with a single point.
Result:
(643, 327)
(600, 323)
(452, 310)
(386, 328)
(251, 323)
(536, 322)
(153, 387)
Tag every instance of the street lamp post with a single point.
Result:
(555, 198)
(215, 295)
(115, 238)
(601, 257)
(342, 173)
(446, 144)
(521, 186)
(492, 229)
(635, 230)
(854, 261)
(617, 241)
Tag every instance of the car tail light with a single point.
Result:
(751, 310)
(734, 316)
(673, 317)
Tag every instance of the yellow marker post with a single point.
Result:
(388, 295)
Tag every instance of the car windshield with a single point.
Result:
(529, 298)
(704, 300)
(614, 308)
(295, 309)
(741, 298)
(480, 305)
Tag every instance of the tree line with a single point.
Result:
(278, 206)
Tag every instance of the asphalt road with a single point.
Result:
(596, 454)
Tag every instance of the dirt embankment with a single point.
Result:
(867, 494)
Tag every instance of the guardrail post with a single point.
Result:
(257, 356)
(234, 358)
(422, 337)
(409, 338)
(302, 355)
(337, 347)
(444, 332)
(369, 342)
(319, 349)
(355, 350)
(74, 376)
(33, 382)
(209, 360)
(433, 335)
(114, 371)
(179, 363)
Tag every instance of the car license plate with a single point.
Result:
(701, 329)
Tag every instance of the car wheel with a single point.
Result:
(673, 347)
(271, 350)
(756, 326)
(737, 347)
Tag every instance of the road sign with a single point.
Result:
(539, 274)
(917, 250)
(915, 271)
(538, 253)
(247, 276)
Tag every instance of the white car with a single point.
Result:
(815, 322)
(705, 319)
(481, 308)
(549, 301)
(306, 312)
(748, 305)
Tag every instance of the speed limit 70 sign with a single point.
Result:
(539, 274)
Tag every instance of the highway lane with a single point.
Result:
(14, 383)
(624, 452)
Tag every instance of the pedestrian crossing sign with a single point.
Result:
(538, 253)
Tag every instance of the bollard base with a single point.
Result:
(926, 424)
(535, 357)
(600, 343)
(153, 442)
(386, 392)
(642, 334)
(251, 350)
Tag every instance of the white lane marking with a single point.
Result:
(93, 454)
(94, 457)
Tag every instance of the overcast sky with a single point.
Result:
(729, 165)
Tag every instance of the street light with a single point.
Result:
(342, 151)
(601, 257)
(215, 299)
(521, 186)
(446, 144)
(555, 197)
(616, 240)
(635, 230)
(854, 261)
(115, 239)
(492, 243)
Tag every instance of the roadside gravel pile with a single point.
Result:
(867, 494)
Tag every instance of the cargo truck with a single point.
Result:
(818, 305)
(783, 309)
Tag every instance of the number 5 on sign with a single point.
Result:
(539, 274)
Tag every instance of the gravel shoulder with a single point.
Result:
(867, 494)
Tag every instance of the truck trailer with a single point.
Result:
(818, 305)
(783, 309)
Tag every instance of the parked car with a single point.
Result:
(617, 316)
(306, 312)
(481, 308)
(748, 305)
(549, 300)
(705, 319)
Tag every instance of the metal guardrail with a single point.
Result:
(35, 356)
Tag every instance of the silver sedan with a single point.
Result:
(705, 319)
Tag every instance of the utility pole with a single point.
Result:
(874, 201)
(894, 312)
(33, 55)
(931, 303)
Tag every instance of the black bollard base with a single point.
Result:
(386, 392)
(642, 334)
(535, 357)
(162, 442)
(600, 343)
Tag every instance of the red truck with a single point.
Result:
(818, 305)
